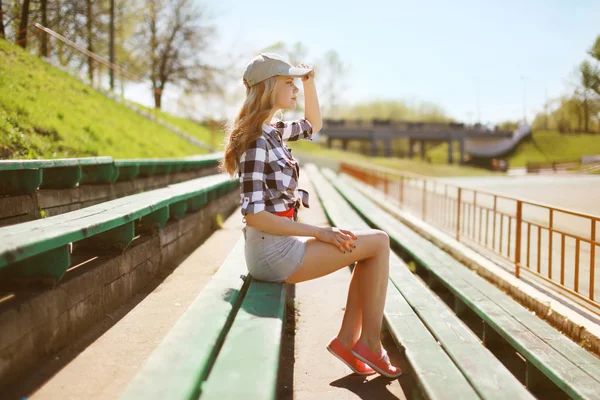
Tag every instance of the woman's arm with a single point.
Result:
(312, 110)
(274, 224)
(271, 223)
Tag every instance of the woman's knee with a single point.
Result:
(383, 239)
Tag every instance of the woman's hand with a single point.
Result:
(311, 74)
(341, 238)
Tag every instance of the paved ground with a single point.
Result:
(575, 192)
(579, 193)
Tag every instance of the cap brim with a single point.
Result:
(298, 72)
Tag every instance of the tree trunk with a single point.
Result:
(153, 56)
(44, 35)
(157, 99)
(111, 43)
(2, 34)
(586, 116)
(90, 41)
(22, 34)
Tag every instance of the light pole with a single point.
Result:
(524, 99)
(477, 100)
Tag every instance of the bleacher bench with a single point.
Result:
(27, 176)
(447, 359)
(40, 250)
(554, 363)
(225, 346)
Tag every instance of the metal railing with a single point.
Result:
(555, 245)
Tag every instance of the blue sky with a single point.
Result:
(440, 51)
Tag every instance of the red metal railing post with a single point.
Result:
(518, 244)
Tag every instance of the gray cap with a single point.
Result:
(266, 65)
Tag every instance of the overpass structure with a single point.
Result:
(386, 130)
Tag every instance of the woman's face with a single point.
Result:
(285, 93)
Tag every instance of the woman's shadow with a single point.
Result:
(377, 386)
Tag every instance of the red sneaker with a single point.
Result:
(379, 362)
(336, 348)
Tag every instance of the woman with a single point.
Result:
(278, 248)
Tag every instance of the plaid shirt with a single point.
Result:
(268, 171)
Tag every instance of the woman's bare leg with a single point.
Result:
(374, 276)
(352, 321)
(372, 247)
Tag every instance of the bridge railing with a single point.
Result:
(548, 245)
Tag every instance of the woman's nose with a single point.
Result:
(296, 90)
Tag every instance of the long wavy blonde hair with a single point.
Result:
(247, 126)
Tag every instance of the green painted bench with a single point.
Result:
(26, 176)
(225, 346)
(132, 168)
(39, 250)
(448, 360)
(553, 362)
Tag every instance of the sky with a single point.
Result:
(478, 60)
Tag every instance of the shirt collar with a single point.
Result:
(270, 130)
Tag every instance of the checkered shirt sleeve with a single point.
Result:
(252, 177)
(295, 130)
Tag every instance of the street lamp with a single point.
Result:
(524, 99)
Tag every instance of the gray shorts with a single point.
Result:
(272, 258)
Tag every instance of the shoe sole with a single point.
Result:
(381, 372)
(348, 365)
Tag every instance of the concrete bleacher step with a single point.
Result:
(101, 364)
(554, 363)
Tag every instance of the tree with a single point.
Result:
(595, 50)
(44, 36)
(22, 34)
(589, 83)
(111, 44)
(595, 76)
(90, 37)
(332, 74)
(2, 33)
(177, 38)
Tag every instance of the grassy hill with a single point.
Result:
(545, 147)
(190, 127)
(45, 113)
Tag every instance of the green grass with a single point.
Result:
(45, 113)
(545, 147)
(190, 127)
(552, 146)
(400, 164)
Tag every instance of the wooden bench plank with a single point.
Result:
(487, 375)
(178, 366)
(13, 165)
(28, 239)
(579, 379)
(575, 353)
(438, 376)
(248, 361)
